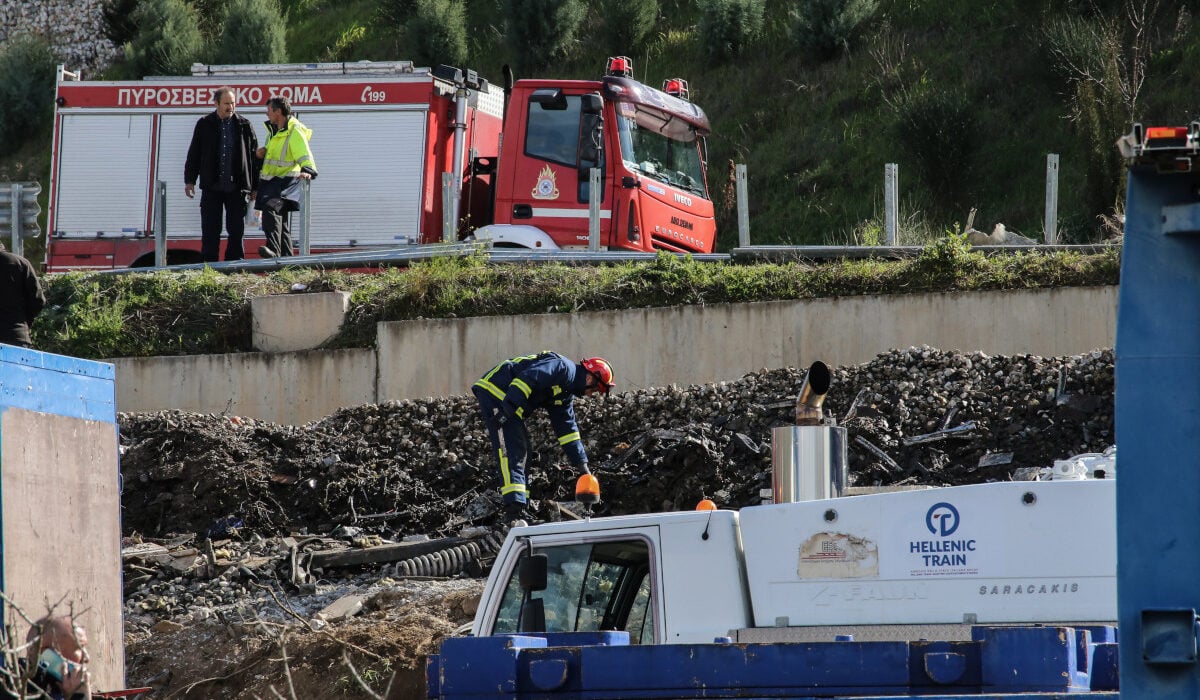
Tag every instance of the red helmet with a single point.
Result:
(599, 368)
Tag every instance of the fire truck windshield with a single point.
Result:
(660, 146)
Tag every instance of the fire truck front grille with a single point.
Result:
(661, 243)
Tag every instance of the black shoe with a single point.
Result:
(515, 515)
(265, 252)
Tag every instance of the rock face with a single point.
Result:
(423, 467)
(76, 30)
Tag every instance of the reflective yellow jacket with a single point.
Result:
(288, 152)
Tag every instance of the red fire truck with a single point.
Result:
(518, 159)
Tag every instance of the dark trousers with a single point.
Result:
(278, 228)
(214, 203)
(512, 451)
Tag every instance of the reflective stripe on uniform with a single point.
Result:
(508, 486)
(490, 388)
(290, 165)
(569, 437)
(525, 389)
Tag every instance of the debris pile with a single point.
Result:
(215, 506)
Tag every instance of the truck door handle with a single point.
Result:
(522, 211)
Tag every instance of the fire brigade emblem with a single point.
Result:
(547, 185)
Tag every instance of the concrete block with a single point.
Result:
(286, 322)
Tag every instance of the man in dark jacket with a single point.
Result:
(513, 389)
(222, 156)
(21, 298)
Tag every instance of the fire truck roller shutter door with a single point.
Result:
(174, 135)
(372, 165)
(104, 182)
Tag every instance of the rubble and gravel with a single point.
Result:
(222, 514)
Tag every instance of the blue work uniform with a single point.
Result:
(510, 392)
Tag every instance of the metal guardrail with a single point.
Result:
(784, 253)
(406, 255)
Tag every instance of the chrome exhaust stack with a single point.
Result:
(808, 460)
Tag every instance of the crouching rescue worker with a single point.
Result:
(512, 390)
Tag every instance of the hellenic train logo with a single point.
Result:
(942, 519)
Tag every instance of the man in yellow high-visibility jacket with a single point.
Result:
(286, 160)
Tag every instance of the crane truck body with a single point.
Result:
(998, 553)
(407, 156)
(838, 597)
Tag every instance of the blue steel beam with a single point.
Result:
(1000, 662)
(1158, 431)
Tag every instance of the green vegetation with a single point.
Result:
(253, 32)
(177, 313)
(439, 32)
(541, 32)
(729, 28)
(26, 89)
(167, 40)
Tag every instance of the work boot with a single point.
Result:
(515, 515)
(265, 252)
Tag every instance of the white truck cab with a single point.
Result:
(656, 576)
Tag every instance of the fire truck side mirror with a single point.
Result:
(592, 103)
(591, 132)
(549, 98)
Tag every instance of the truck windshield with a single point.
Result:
(590, 588)
(661, 147)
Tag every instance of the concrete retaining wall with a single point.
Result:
(286, 387)
(681, 345)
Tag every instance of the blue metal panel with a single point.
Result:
(482, 666)
(935, 665)
(1041, 661)
(746, 670)
(64, 386)
(1158, 428)
(1105, 665)
(1031, 659)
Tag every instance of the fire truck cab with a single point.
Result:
(647, 144)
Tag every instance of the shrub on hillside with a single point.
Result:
(397, 12)
(729, 27)
(1101, 71)
(624, 24)
(168, 39)
(118, 21)
(939, 130)
(253, 32)
(26, 89)
(438, 32)
(543, 31)
(825, 29)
